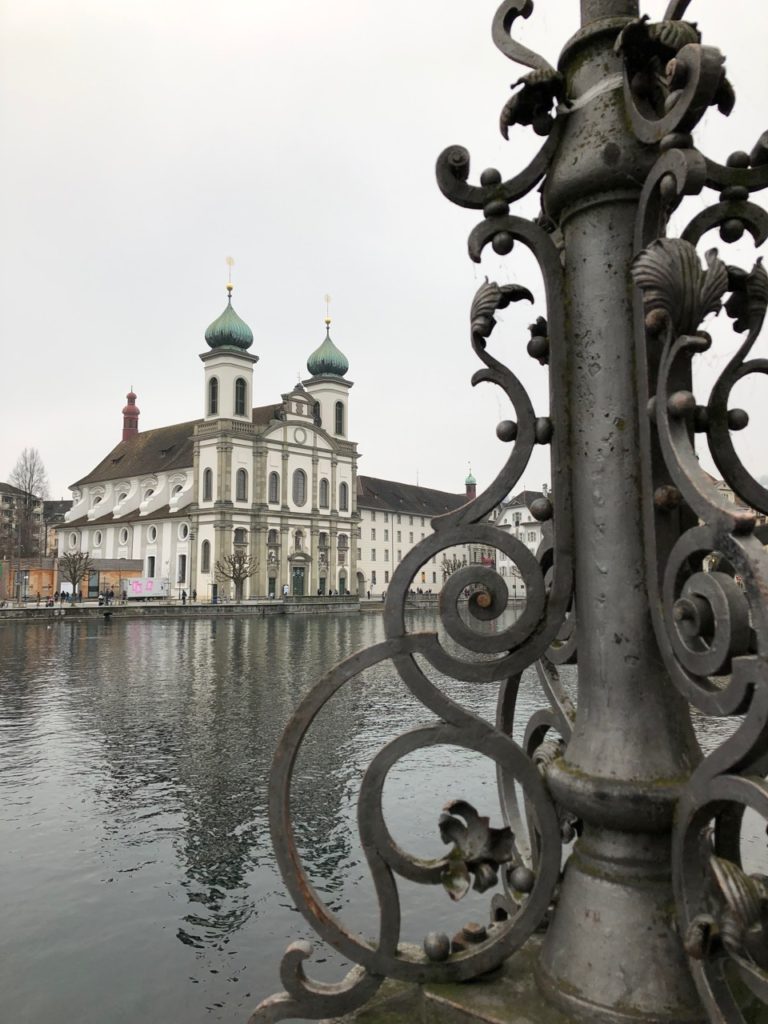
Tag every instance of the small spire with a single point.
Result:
(230, 286)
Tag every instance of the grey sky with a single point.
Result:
(144, 142)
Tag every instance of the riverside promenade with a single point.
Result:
(31, 612)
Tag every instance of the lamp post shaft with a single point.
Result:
(612, 949)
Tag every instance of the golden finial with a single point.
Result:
(230, 264)
(327, 310)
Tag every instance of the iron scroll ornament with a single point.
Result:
(707, 571)
(527, 885)
(516, 913)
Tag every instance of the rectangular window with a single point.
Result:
(398, 517)
(423, 577)
(399, 532)
(373, 578)
(422, 520)
(386, 517)
(359, 554)
(373, 517)
(410, 520)
(386, 575)
(373, 554)
(399, 556)
(373, 535)
(386, 555)
(151, 566)
(181, 575)
(386, 535)
(434, 577)
(422, 536)
(410, 536)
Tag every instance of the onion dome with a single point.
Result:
(327, 359)
(470, 481)
(131, 409)
(229, 331)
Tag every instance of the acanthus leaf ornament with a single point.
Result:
(676, 289)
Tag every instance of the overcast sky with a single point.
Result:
(146, 141)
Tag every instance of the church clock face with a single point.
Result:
(300, 435)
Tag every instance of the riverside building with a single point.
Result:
(276, 484)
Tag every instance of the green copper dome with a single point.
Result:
(229, 330)
(327, 359)
(470, 479)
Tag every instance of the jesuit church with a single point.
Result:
(277, 482)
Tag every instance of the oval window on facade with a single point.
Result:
(183, 531)
(152, 534)
(97, 538)
(124, 536)
(73, 540)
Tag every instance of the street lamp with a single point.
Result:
(649, 915)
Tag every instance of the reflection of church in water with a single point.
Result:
(277, 482)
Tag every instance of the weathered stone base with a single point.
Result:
(507, 996)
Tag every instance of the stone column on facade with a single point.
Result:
(258, 550)
(314, 568)
(332, 557)
(284, 480)
(285, 564)
(224, 470)
(334, 486)
(259, 491)
(315, 463)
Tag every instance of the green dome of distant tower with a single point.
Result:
(228, 330)
(470, 479)
(327, 359)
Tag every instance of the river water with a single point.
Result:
(139, 881)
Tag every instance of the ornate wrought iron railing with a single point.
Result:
(670, 578)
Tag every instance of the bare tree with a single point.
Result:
(30, 477)
(452, 565)
(74, 567)
(237, 567)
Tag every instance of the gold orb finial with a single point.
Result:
(230, 263)
(327, 299)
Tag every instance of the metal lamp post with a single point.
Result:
(651, 917)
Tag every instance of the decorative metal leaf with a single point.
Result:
(533, 103)
(673, 282)
(749, 297)
(489, 298)
(742, 893)
(478, 849)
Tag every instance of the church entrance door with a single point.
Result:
(298, 581)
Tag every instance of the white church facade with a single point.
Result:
(276, 484)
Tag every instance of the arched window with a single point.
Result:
(240, 393)
(241, 485)
(274, 488)
(213, 397)
(208, 485)
(344, 498)
(325, 493)
(316, 414)
(299, 487)
(205, 556)
(339, 417)
(272, 537)
(241, 537)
